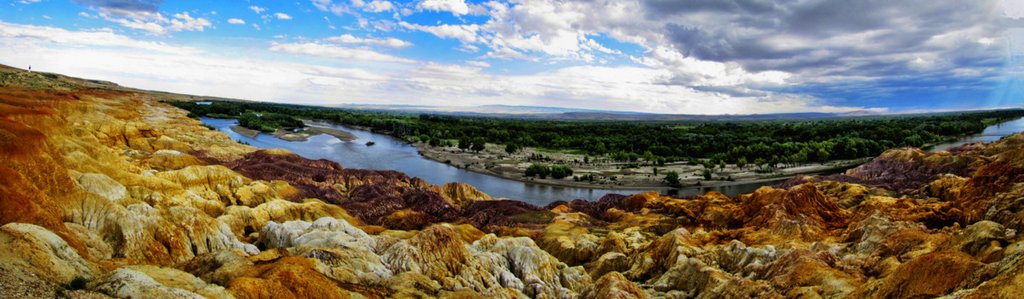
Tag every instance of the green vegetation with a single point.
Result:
(268, 121)
(560, 171)
(538, 170)
(766, 143)
(511, 148)
(543, 171)
(672, 179)
(249, 117)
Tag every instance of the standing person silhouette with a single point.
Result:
(30, 68)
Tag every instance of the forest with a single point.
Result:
(656, 142)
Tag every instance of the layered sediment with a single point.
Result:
(109, 193)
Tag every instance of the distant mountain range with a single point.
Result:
(542, 112)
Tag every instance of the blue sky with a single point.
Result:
(665, 56)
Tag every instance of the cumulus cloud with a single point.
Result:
(464, 33)
(354, 7)
(157, 24)
(159, 66)
(741, 47)
(282, 16)
(456, 7)
(374, 5)
(823, 36)
(681, 55)
(144, 15)
(387, 42)
(184, 22)
(236, 21)
(556, 29)
(257, 9)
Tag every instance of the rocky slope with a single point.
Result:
(106, 192)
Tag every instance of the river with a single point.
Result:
(990, 134)
(394, 154)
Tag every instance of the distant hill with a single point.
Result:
(477, 110)
(542, 112)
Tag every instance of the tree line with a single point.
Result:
(754, 143)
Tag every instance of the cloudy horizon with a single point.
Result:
(682, 57)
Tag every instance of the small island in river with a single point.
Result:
(297, 134)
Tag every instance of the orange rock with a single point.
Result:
(800, 212)
(929, 275)
(287, 277)
(615, 286)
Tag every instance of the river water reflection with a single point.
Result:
(991, 133)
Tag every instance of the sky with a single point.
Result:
(661, 56)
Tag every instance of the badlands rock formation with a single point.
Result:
(107, 192)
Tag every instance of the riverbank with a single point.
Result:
(990, 134)
(494, 161)
(599, 173)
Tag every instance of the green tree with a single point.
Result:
(560, 171)
(464, 144)
(511, 148)
(538, 170)
(707, 174)
(672, 179)
(914, 140)
(478, 144)
(741, 162)
(822, 155)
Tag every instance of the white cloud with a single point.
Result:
(387, 42)
(1013, 8)
(236, 21)
(456, 7)
(330, 6)
(282, 16)
(184, 22)
(553, 29)
(355, 78)
(29, 34)
(480, 64)
(464, 33)
(330, 51)
(257, 9)
(155, 23)
(374, 5)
